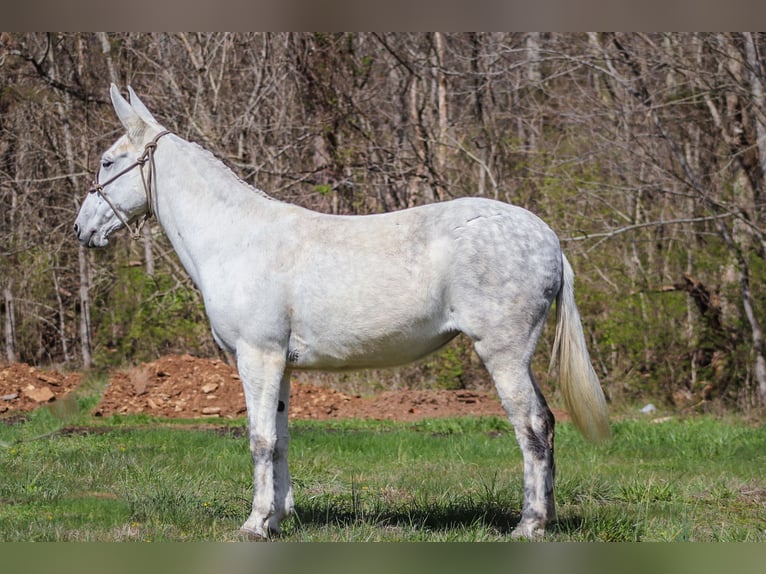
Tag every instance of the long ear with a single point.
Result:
(141, 109)
(130, 120)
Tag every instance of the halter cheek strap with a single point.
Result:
(146, 157)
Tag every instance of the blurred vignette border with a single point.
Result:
(332, 558)
(383, 558)
(399, 15)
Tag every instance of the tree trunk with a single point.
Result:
(85, 344)
(532, 47)
(10, 324)
(755, 72)
(62, 317)
(148, 253)
(419, 142)
(441, 97)
(106, 49)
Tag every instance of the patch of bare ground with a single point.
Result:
(24, 388)
(182, 386)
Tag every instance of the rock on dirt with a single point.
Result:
(23, 387)
(182, 386)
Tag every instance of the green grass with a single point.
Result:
(136, 478)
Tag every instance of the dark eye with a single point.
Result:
(105, 163)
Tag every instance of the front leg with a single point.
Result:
(283, 490)
(261, 373)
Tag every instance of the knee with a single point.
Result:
(262, 447)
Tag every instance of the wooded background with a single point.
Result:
(645, 152)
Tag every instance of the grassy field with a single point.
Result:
(133, 478)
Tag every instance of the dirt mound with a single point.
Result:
(175, 386)
(23, 388)
(188, 387)
(182, 386)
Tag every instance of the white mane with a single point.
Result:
(209, 161)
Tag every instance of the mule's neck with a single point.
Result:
(203, 206)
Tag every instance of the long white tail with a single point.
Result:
(582, 392)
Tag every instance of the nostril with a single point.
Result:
(77, 229)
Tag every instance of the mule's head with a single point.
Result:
(123, 198)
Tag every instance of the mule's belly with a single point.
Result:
(346, 353)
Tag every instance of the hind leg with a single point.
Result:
(533, 424)
(535, 435)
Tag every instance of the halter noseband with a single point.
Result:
(147, 156)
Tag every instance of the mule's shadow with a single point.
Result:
(442, 518)
(432, 518)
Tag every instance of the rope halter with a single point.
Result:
(146, 157)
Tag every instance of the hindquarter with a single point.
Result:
(506, 273)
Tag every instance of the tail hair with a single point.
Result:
(579, 383)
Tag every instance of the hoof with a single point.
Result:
(528, 532)
(253, 535)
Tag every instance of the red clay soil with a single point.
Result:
(189, 387)
(24, 388)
